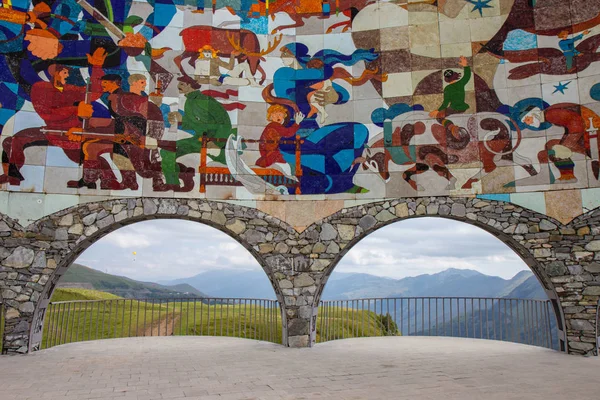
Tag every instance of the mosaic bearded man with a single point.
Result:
(202, 114)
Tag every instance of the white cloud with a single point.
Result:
(431, 245)
(128, 240)
(166, 249)
(170, 249)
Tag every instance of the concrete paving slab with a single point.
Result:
(206, 368)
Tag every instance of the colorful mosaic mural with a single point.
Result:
(284, 99)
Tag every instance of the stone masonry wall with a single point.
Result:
(32, 260)
(566, 259)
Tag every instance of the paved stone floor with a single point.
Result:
(228, 368)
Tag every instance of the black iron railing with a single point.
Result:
(516, 320)
(74, 321)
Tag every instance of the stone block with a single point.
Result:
(593, 268)
(542, 253)
(285, 284)
(105, 222)
(67, 220)
(298, 341)
(254, 237)
(328, 232)
(546, 225)
(89, 219)
(21, 257)
(76, 229)
(594, 245)
(581, 325)
(346, 232)
(402, 210)
(592, 291)
(150, 206)
(218, 217)
(12, 313)
(384, 216)
(581, 346)
(236, 226)
(333, 248)
(318, 248)
(305, 312)
(556, 268)
(282, 248)
(27, 307)
(303, 280)
(458, 210)
(319, 265)
(298, 327)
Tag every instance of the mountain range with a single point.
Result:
(340, 286)
(451, 282)
(343, 286)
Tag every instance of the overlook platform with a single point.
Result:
(230, 368)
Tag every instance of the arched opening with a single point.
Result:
(431, 276)
(234, 239)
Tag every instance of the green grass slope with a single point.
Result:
(125, 287)
(105, 316)
(73, 294)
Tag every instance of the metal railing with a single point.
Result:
(516, 320)
(74, 321)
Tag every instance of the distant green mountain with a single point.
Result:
(341, 286)
(81, 276)
(451, 282)
(230, 283)
(345, 286)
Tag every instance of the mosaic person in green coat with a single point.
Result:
(454, 97)
(202, 114)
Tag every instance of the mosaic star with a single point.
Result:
(479, 5)
(561, 87)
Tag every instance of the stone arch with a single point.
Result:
(564, 257)
(43, 251)
(552, 250)
(515, 246)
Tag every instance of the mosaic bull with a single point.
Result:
(424, 144)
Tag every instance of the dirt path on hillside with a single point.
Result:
(162, 327)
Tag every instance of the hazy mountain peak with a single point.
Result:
(523, 274)
(466, 273)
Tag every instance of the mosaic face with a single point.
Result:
(282, 99)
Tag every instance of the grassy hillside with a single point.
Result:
(113, 317)
(125, 287)
(68, 294)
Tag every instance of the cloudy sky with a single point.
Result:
(170, 249)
